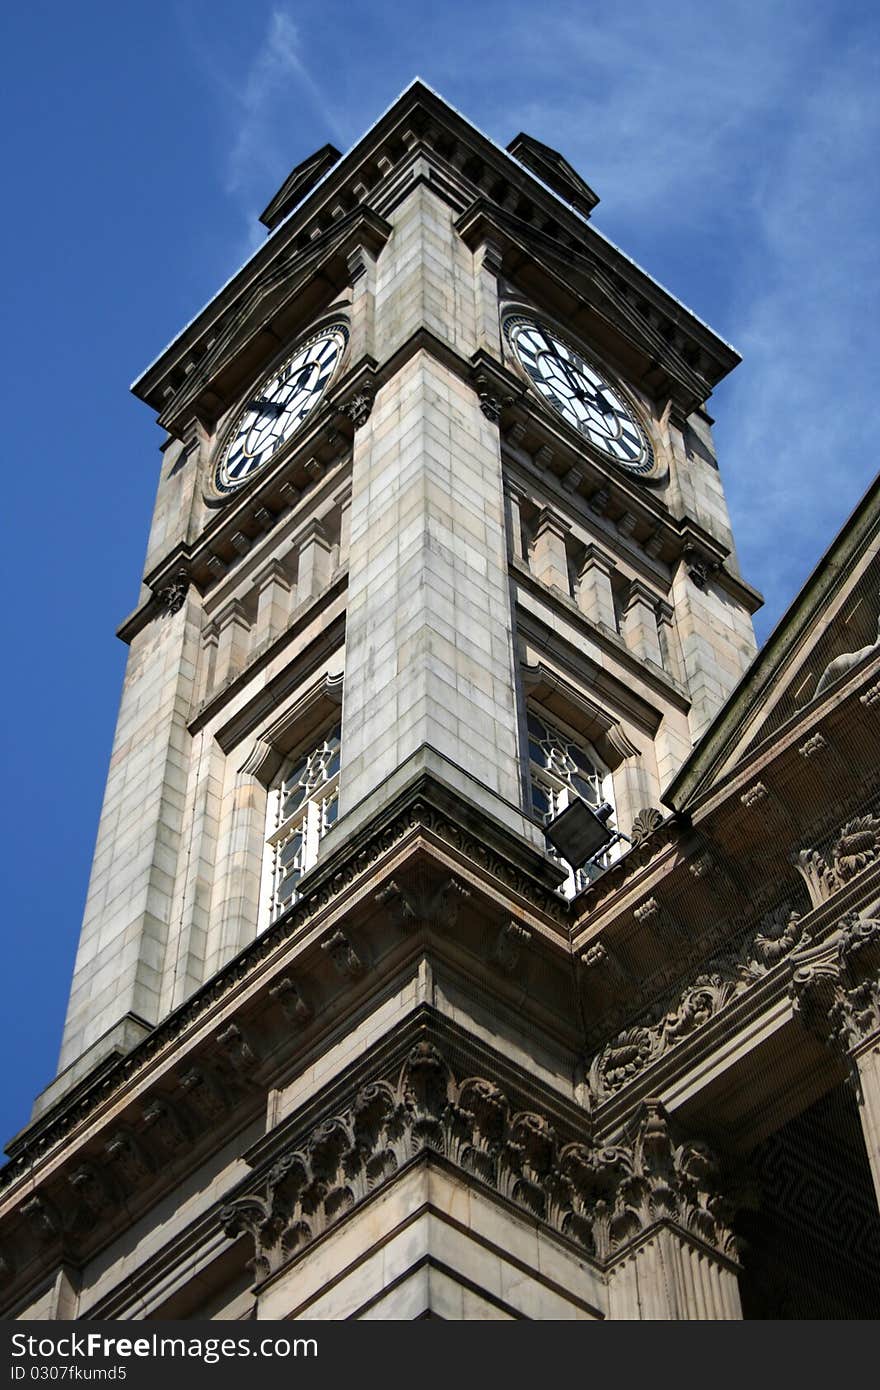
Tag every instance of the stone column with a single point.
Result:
(662, 1230)
(835, 990)
(233, 642)
(273, 602)
(314, 562)
(235, 903)
(669, 1278)
(640, 623)
(594, 594)
(549, 560)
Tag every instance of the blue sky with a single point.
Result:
(734, 149)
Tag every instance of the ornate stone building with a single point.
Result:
(440, 548)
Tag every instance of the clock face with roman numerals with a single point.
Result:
(279, 406)
(579, 394)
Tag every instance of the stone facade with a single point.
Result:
(439, 1078)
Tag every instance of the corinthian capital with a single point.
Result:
(835, 987)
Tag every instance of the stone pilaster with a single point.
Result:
(487, 268)
(669, 1278)
(549, 560)
(835, 989)
(233, 642)
(640, 623)
(514, 498)
(594, 593)
(313, 574)
(273, 602)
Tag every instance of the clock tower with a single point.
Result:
(440, 549)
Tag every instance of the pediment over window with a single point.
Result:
(559, 696)
(297, 726)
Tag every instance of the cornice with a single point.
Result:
(578, 269)
(421, 124)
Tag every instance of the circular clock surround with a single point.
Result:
(279, 405)
(577, 391)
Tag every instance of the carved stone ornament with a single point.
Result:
(359, 407)
(508, 946)
(700, 566)
(44, 1219)
(835, 987)
(871, 697)
(238, 1048)
(842, 665)
(599, 1198)
(677, 1018)
(343, 955)
(172, 597)
(288, 996)
(647, 820)
(855, 847)
(411, 908)
(492, 401)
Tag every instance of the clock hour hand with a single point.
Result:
(264, 406)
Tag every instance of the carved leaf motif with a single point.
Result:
(647, 820)
(857, 846)
(599, 1197)
(638, 1046)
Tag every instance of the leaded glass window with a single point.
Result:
(560, 768)
(302, 806)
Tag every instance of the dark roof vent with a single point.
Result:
(555, 171)
(298, 183)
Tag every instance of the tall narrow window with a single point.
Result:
(560, 768)
(303, 805)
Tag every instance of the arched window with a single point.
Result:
(303, 804)
(559, 768)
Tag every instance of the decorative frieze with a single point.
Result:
(600, 1198)
(668, 1024)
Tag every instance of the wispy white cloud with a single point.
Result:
(275, 85)
(272, 109)
(732, 146)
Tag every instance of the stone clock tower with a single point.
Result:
(440, 546)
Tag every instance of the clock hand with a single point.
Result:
(263, 405)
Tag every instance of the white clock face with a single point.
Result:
(279, 406)
(579, 394)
